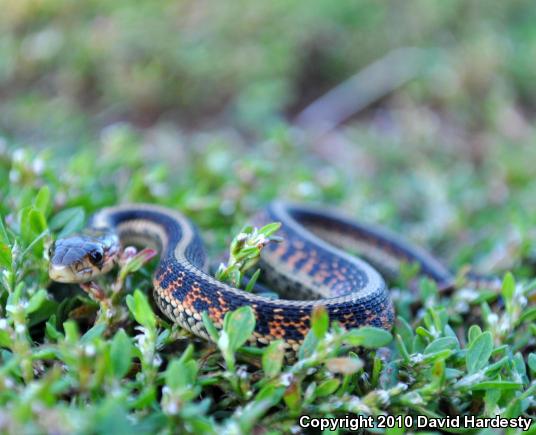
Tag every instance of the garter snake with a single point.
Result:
(310, 267)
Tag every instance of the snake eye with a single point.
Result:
(95, 257)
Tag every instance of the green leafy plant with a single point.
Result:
(244, 254)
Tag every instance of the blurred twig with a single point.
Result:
(362, 89)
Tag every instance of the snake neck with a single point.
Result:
(168, 232)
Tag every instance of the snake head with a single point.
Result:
(81, 258)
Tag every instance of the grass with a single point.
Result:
(103, 103)
(71, 362)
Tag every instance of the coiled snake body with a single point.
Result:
(312, 264)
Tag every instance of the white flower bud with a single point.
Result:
(90, 350)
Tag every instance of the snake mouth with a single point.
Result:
(60, 273)
(65, 274)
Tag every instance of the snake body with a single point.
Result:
(310, 267)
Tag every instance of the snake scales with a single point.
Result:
(310, 267)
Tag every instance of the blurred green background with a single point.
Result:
(70, 68)
(211, 106)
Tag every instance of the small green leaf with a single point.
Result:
(138, 261)
(531, 360)
(272, 358)
(449, 332)
(181, 374)
(451, 373)
(141, 309)
(47, 353)
(494, 368)
(209, 326)
(93, 333)
(518, 364)
(251, 415)
(50, 330)
(497, 385)
(402, 349)
(270, 229)
(4, 238)
(247, 252)
(436, 318)
(528, 315)
(429, 290)
(37, 220)
(71, 331)
(69, 221)
(15, 297)
(5, 339)
(319, 321)
(406, 332)
(6, 257)
(292, 398)
(327, 387)
(479, 352)
(436, 356)
(247, 229)
(368, 336)
(121, 351)
(473, 333)
(270, 392)
(419, 343)
(438, 370)
(308, 346)
(508, 288)
(223, 344)
(36, 301)
(42, 200)
(441, 344)
(24, 223)
(188, 353)
(491, 399)
(234, 276)
(252, 281)
(424, 333)
(239, 325)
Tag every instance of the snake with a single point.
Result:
(324, 259)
